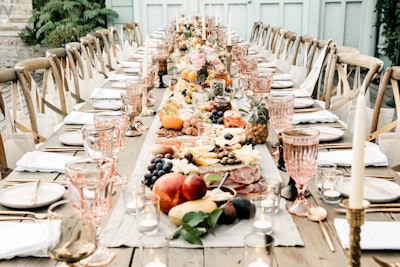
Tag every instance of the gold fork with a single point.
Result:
(33, 200)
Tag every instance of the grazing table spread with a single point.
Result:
(298, 240)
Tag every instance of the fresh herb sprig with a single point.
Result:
(195, 225)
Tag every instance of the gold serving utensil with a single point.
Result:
(17, 218)
(335, 146)
(35, 215)
(385, 264)
(63, 149)
(370, 210)
(33, 200)
(318, 214)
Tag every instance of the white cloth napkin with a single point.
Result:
(104, 93)
(79, 117)
(344, 157)
(374, 234)
(130, 64)
(121, 77)
(39, 161)
(282, 77)
(314, 117)
(267, 65)
(28, 239)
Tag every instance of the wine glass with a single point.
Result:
(77, 239)
(120, 121)
(280, 108)
(300, 152)
(133, 104)
(89, 180)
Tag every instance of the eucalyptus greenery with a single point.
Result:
(388, 16)
(257, 112)
(61, 21)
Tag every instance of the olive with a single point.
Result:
(228, 136)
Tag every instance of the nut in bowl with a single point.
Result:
(220, 196)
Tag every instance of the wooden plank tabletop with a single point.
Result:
(314, 253)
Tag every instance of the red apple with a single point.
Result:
(169, 188)
(194, 187)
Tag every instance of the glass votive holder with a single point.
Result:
(329, 192)
(318, 175)
(130, 192)
(272, 189)
(258, 250)
(262, 210)
(148, 213)
(154, 250)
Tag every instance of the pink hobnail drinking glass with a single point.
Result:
(281, 107)
(89, 180)
(300, 152)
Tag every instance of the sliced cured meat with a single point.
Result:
(246, 175)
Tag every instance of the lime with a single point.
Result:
(210, 177)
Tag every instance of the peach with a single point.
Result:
(169, 188)
(194, 187)
(157, 149)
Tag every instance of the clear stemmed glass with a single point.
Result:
(300, 152)
(89, 181)
(98, 139)
(133, 104)
(76, 243)
(280, 108)
(120, 121)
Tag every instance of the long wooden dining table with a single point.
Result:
(315, 251)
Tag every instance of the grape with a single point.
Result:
(161, 172)
(220, 121)
(168, 156)
(214, 112)
(220, 113)
(195, 132)
(169, 164)
(193, 121)
(157, 168)
(166, 168)
(147, 175)
(151, 167)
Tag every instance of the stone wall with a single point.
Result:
(14, 16)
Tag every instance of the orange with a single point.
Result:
(172, 122)
(192, 76)
(185, 74)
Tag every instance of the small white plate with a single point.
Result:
(371, 193)
(71, 138)
(328, 133)
(18, 196)
(107, 104)
(121, 85)
(303, 102)
(282, 84)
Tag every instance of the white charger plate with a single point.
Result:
(303, 102)
(328, 133)
(132, 70)
(107, 104)
(281, 84)
(371, 193)
(74, 138)
(18, 196)
(119, 85)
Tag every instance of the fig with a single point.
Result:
(228, 215)
(242, 206)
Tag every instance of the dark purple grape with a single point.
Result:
(159, 166)
(151, 167)
(168, 156)
(166, 168)
(154, 173)
(220, 121)
(153, 160)
(161, 173)
(148, 175)
(154, 179)
(169, 164)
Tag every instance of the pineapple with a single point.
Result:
(257, 122)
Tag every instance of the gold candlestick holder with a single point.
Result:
(355, 218)
(228, 58)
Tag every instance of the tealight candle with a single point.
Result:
(148, 225)
(258, 263)
(130, 207)
(262, 226)
(155, 263)
(331, 194)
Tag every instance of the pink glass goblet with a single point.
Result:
(120, 121)
(300, 152)
(89, 180)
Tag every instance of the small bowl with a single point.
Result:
(219, 202)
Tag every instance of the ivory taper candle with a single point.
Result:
(358, 167)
